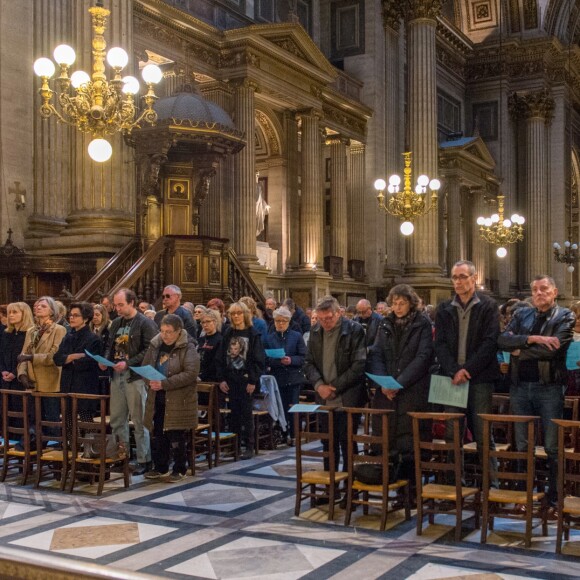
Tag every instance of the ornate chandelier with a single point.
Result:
(570, 254)
(407, 204)
(95, 104)
(499, 231)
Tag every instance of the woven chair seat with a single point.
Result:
(572, 506)
(322, 477)
(446, 492)
(512, 496)
(359, 486)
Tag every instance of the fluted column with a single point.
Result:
(312, 199)
(454, 220)
(394, 140)
(245, 174)
(292, 199)
(481, 249)
(338, 197)
(356, 202)
(214, 221)
(422, 102)
(536, 109)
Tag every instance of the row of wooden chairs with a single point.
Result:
(438, 471)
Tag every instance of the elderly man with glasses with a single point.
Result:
(369, 320)
(466, 332)
(172, 305)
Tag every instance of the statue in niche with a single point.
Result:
(262, 208)
(214, 271)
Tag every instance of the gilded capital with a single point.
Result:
(416, 9)
(536, 104)
(337, 140)
(391, 14)
(245, 83)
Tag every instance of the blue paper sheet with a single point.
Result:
(573, 356)
(100, 359)
(506, 357)
(275, 352)
(303, 408)
(149, 373)
(385, 382)
(443, 392)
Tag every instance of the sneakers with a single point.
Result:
(156, 475)
(141, 468)
(176, 477)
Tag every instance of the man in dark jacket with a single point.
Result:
(466, 331)
(538, 338)
(369, 320)
(172, 305)
(129, 340)
(335, 366)
(300, 321)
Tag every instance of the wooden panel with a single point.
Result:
(177, 220)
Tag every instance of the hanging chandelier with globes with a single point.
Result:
(94, 104)
(407, 204)
(501, 231)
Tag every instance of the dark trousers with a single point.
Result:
(340, 439)
(165, 444)
(290, 395)
(241, 405)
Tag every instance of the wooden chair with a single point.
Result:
(94, 434)
(226, 443)
(517, 467)
(203, 435)
(435, 461)
(263, 430)
(371, 450)
(568, 479)
(52, 450)
(320, 484)
(16, 407)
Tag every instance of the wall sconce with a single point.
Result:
(20, 196)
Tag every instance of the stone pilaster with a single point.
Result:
(338, 197)
(292, 199)
(356, 202)
(480, 249)
(312, 199)
(213, 220)
(454, 220)
(245, 174)
(422, 102)
(536, 109)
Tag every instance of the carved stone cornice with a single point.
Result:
(450, 60)
(244, 83)
(315, 113)
(233, 59)
(533, 104)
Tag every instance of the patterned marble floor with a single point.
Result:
(237, 521)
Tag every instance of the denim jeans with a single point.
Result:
(547, 401)
(128, 399)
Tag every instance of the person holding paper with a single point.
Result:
(466, 331)
(538, 338)
(288, 369)
(240, 363)
(80, 373)
(335, 366)
(404, 350)
(130, 335)
(171, 408)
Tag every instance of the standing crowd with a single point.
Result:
(329, 349)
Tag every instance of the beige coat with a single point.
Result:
(41, 370)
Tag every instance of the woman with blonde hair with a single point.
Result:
(100, 323)
(239, 370)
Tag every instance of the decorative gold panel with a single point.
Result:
(178, 220)
(189, 269)
(178, 189)
(482, 14)
(215, 275)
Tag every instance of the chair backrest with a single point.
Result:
(207, 403)
(57, 429)
(367, 447)
(568, 458)
(88, 432)
(307, 432)
(516, 466)
(15, 416)
(502, 431)
(436, 457)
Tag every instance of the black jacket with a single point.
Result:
(408, 358)
(140, 334)
(255, 357)
(350, 362)
(81, 375)
(208, 348)
(481, 348)
(551, 363)
(11, 344)
(371, 327)
(189, 324)
(300, 319)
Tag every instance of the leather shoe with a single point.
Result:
(520, 508)
(141, 468)
(552, 514)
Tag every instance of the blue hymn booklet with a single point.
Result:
(573, 356)
(385, 382)
(443, 392)
(149, 373)
(275, 352)
(100, 359)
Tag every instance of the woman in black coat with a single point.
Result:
(80, 372)
(403, 349)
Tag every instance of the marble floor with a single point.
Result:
(237, 521)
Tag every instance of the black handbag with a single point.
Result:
(92, 447)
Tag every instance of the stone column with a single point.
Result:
(394, 141)
(312, 199)
(422, 102)
(481, 249)
(356, 202)
(292, 199)
(338, 197)
(244, 203)
(214, 221)
(454, 219)
(536, 108)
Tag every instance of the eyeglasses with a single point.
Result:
(327, 318)
(461, 277)
(281, 321)
(167, 295)
(236, 313)
(74, 315)
(207, 321)
(168, 332)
